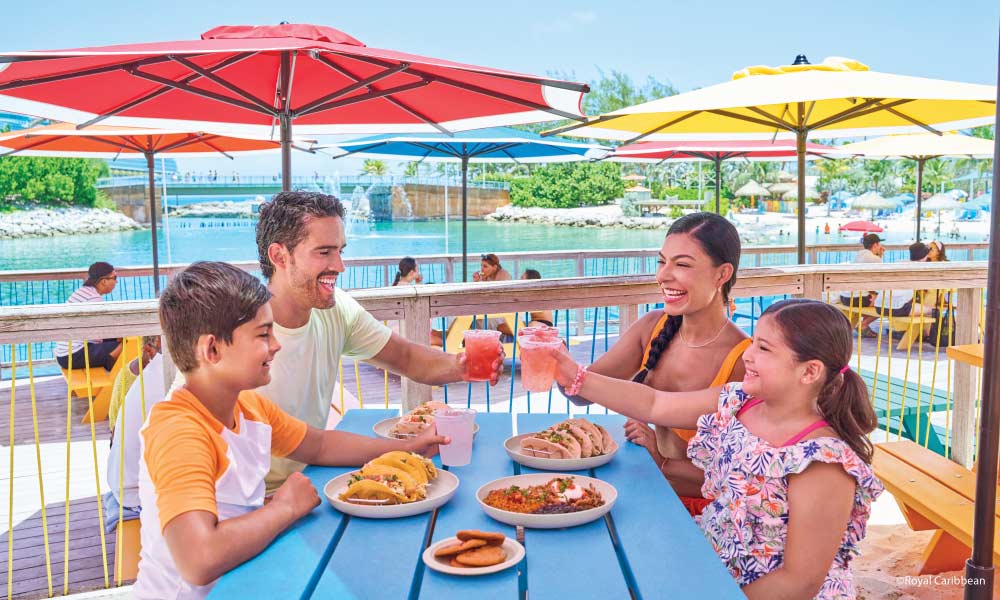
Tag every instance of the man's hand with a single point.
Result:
(426, 444)
(298, 495)
(497, 366)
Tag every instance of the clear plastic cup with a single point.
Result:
(458, 424)
(482, 349)
(538, 365)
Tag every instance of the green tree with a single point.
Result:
(568, 185)
(937, 172)
(879, 174)
(50, 180)
(412, 169)
(374, 167)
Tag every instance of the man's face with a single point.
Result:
(106, 284)
(315, 264)
(877, 249)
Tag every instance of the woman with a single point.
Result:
(690, 345)
(408, 272)
(538, 317)
(490, 269)
(937, 253)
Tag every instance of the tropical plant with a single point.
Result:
(937, 172)
(879, 174)
(374, 167)
(567, 185)
(50, 180)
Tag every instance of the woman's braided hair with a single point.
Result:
(720, 240)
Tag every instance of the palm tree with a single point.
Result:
(879, 173)
(937, 172)
(374, 167)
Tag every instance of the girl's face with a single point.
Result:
(770, 365)
(935, 252)
(413, 275)
(688, 278)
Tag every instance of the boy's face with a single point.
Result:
(246, 362)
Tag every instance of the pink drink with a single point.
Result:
(456, 423)
(538, 365)
(482, 349)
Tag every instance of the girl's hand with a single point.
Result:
(566, 367)
(643, 435)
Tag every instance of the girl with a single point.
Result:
(408, 272)
(785, 453)
(690, 345)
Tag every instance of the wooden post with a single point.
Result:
(449, 268)
(812, 285)
(415, 326)
(627, 315)
(964, 413)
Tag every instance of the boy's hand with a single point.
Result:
(426, 444)
(298, 494)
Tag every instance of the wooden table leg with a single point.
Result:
(943, 553)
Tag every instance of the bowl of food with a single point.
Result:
(546, 500)
(413, 423)
(570, 445)
(473, 552)
(396, 484)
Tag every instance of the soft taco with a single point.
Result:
(391, 476)
(596, 437)
(551, 444)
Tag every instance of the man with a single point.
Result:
(300, 242)
(872, 251)
(101, 280)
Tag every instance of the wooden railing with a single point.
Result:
(415, 307)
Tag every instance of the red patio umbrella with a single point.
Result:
(716, 151)
(103, 141)
(865, 226)
(246, 79)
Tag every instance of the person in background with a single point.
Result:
(490, 269)
(101, 281)
(127, 376)
(540, 317)
(937, 253)
(408, 272)
(872, 251)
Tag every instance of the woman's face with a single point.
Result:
(935, 252)
(689, 280)
(487, 269)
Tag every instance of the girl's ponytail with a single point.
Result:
(845, 406)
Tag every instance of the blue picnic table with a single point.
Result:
(647, 547)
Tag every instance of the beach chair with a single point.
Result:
(933, 493)
(910, 326)
(101, 381)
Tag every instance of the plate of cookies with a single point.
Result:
(473, 552)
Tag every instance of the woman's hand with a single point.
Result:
(643, 435)
(477, 276)
(566, 367)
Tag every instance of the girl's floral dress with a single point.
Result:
(746, 481)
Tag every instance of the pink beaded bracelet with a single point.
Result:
(574, 387)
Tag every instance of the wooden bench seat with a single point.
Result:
(933, 493)
(911, 326)
(101, 381)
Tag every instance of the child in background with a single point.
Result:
(786, 456)
(206, 449)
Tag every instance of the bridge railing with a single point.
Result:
(232, 181)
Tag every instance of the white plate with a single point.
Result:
(515, 552)
(439, 492)
(382, 428)
(513, 447)
(608, 492)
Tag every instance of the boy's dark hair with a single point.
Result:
(283, 221)
(207, 298)
(869, 240)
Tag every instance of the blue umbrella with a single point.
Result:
(497, 144)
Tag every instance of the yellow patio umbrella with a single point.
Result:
(838, 98)
(921, 147)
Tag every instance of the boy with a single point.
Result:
(206, 449)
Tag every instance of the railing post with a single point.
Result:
(580, 325)
(812, 255)
(627, 315)
(449, 269)
(386, 280)
(415, 326)
(965, 390)
(812, 286)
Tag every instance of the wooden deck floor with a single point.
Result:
(86, 565)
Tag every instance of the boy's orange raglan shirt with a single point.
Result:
(190, 461)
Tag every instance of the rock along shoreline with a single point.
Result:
(48, 222)
(592, 216)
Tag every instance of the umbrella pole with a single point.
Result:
(285, 122)
(718, 185)
(150, 166)
(800, 149)
(465, 214)
(920, 189)
(979, 568)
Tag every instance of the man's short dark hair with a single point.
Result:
(532, 274)
(283, 221)
(870, 240)
(210, 298)
(919, 251)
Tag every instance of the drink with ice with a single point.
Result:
(482, 349)
(538, 365)
(457, 424)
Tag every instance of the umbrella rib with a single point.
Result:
(197, 92)
(216, 148)
(187, 141)
(860, 110)
(370, 96)
(362, 149)
(477, 89)
(220, 81)
(127, 141)
(778, 122)
(895, 112)
(739, 117)
(488, 148)
(444, 148)
(358, 84)
(158, 92)
(504, 150)
(82, 73)
(585, 123)
(683, 117)
(40, 142)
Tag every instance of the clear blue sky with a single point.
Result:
(689, 44)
